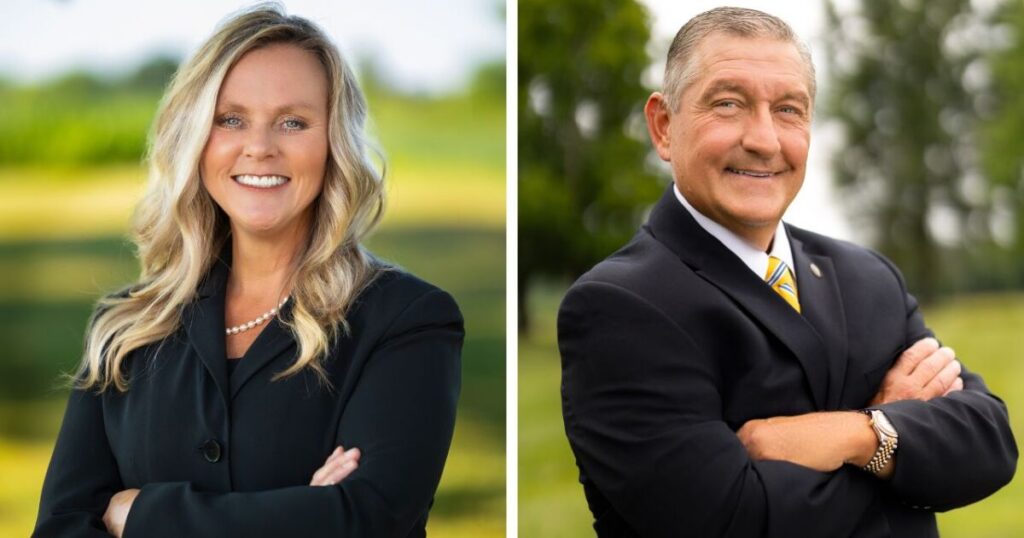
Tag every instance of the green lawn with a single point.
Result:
(987, 332)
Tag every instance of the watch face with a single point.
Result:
(883, 424)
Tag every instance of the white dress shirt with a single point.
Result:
(755, 258)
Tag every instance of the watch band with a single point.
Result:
(888, 440)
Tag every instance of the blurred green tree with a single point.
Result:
(583, 185)
(909, 90)
(82, 118)
(1002, 140)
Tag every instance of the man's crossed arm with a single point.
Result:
(825, 441)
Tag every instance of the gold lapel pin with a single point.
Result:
(816, 270)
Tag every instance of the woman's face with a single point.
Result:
(265, 159)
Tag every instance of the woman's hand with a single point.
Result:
(339, 464)
(117, 511)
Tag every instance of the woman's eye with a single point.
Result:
(294, 125)
(230, 121)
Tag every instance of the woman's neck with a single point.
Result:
(263, 266)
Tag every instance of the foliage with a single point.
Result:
(1002, 147)
(908, 92)
(582, 183)
(81, 118)
(84, 119)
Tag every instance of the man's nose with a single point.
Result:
(760, 136)
(259, 143)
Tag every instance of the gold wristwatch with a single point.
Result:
(887, 441)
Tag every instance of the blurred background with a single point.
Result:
(80, 81)
(918, 151)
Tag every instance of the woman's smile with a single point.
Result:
(266, 156)
(261, 182)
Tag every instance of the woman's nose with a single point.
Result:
(259, 143)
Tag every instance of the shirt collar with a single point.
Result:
(753, 257)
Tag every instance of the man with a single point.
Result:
(725, 374)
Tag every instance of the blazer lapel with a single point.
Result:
(203, 320)
(275, 339)
(822, 306)
(673, 226)
(204, 324)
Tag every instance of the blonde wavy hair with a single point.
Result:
(179, 230)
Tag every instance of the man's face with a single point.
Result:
(739, 139)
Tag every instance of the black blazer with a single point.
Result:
(220, 457)
(672, 343)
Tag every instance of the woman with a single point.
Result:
(265, 376)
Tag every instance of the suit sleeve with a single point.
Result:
(953, 450)
(82, 475)
(642, 408)
(401, 415)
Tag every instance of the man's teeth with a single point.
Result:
(750, 173)
(261, 181)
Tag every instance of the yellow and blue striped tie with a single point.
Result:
(781, 280)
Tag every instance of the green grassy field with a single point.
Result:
(987, 332)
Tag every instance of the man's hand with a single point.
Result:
(117, 511)
(339, 465)
(821, 441)
(924, 371)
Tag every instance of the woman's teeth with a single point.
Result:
(261, 181)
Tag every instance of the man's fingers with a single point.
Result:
(338, 452)
(916, 353)
(928, 368)
(958, 384)
(943, 380)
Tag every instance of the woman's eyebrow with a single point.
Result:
(298, 106)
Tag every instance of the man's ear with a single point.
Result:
(657, 113)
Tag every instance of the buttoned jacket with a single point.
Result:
(216, 456)
(672, 343)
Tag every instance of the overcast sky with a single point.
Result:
(420, 45)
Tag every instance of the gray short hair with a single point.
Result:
(681, 65)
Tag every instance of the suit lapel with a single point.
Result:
(203, 320)
(274, 340)
(822, 306)
(204, 324)
(673, 226)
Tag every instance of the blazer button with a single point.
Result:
(211, 450)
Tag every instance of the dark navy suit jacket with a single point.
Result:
(671, 344)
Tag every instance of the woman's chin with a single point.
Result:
(257, 227)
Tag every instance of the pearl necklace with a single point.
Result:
(258, 321)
